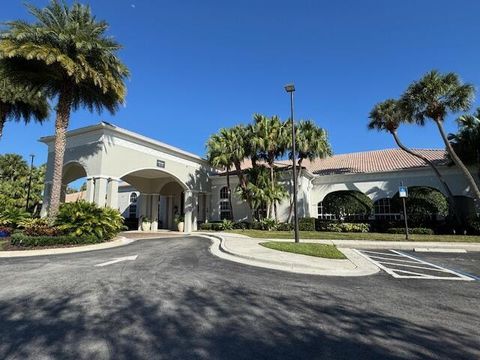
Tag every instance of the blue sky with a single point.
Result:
(198, 66)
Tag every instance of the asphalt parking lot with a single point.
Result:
(176, 300)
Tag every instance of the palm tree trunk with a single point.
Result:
(61, 126)
(3, 117)
(450, 197)
(471, 181)
(229, 193)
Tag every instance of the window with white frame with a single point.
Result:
(225, 212)
(321, 213)
(132, 209)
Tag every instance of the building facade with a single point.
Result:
(145, 178)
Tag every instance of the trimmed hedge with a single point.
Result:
(20, 239)
(306, 224)
(418, 231)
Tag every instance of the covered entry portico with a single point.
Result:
(170, 181)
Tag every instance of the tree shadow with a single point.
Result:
(216, 320)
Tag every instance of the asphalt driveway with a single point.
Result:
(178, 301)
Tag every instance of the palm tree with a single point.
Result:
(270, 142)
(76, 62)
(388, 116)
(433, 97)
(20, 101)
(219, 156)
(312, 142)
(466, 142)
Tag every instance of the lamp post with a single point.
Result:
(290, 88)
(29, 182)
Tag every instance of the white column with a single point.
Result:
(90, 189)
(188, 211)
(142, 206)
(100, 191)
(46, 199)
(169, 212)
(154, 205)
(194, 211)
(112, 193)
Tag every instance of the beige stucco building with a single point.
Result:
(145, 178)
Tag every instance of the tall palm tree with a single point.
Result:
(219, 155)
(20, 101)
(68, 51)
(435, 96)
(311, 143)
(270, 140)
(388, 116)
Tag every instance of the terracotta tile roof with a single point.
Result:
(374, 161)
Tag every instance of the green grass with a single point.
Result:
(2, 243)
(318, 250)
(260, 234)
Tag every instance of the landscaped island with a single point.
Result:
(318, 250)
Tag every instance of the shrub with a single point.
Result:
(206, 226)
(242, 225)
(418, 231)
(474, 225)
(265, 224)
(38, 227)
(19, 239)
(285, 226)
(84, 219)
(306, 224)
(226, 225)
(344, 227)
(344, 202)
(5, 231)
(12, 217)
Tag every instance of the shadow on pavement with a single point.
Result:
(218, 322)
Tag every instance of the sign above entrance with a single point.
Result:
(161, 164)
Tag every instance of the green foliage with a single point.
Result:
(418, 231)
(211, 226)
(12, 216)
(284, 226)
(306, 224)
(86, 219)
(344, 227)
(423, 204)
(23, 240)
(242, 225)
(346, 202)
(226, 225)
(39, 227)
(474, 225)
(466, 142)
(178, 219)
(14, 177)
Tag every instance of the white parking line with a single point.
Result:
(393, 261)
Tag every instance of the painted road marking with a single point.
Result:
(404, 266)
(117, 260)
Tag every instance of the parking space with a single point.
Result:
(402, 265)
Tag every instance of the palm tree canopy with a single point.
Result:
(466, 142)
(66, 51)
(435, 95)
(21, 101)
(311, 140)
(269, 137)
(386, 116)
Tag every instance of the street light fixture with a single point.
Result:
(29, 182)
(290, 88)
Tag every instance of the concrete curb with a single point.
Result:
(362, 267)
(120, 241)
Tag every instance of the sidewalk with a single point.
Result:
(246, 250)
